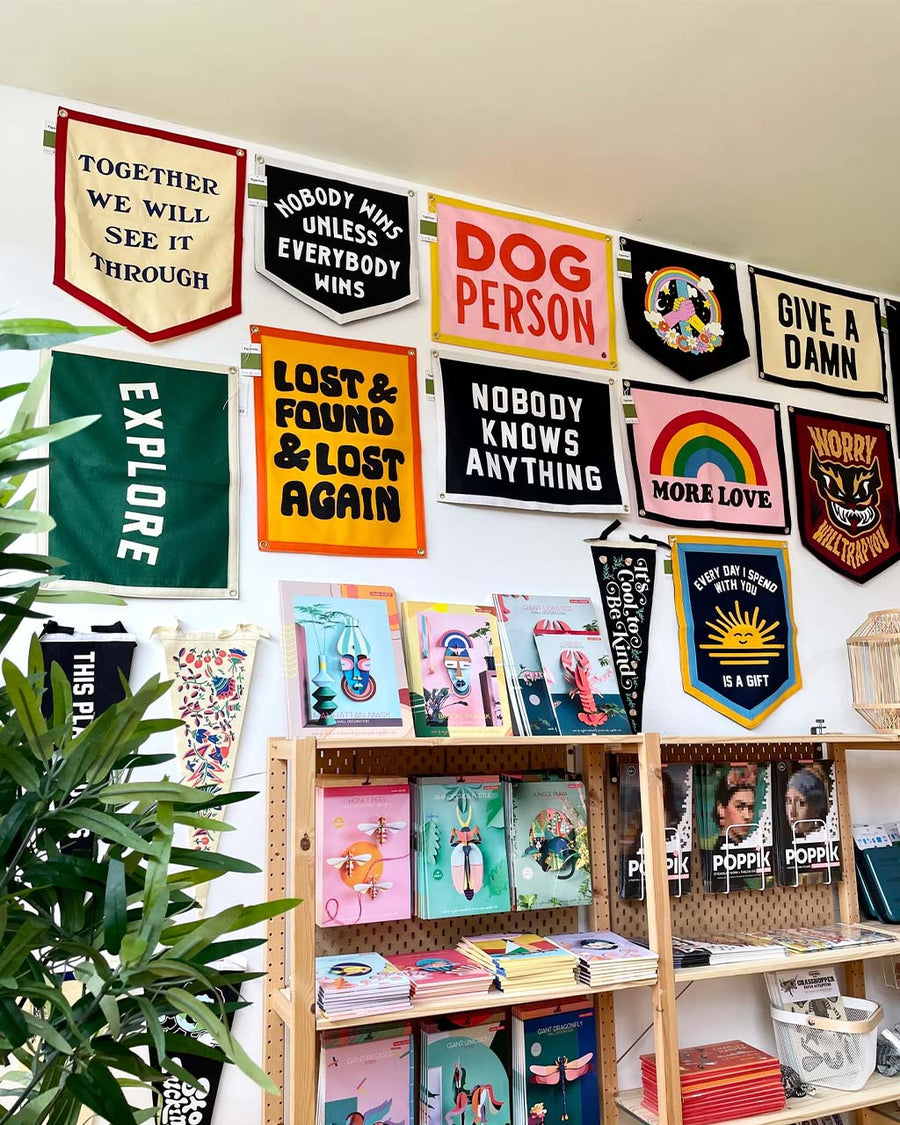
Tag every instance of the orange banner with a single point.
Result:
(338, 459)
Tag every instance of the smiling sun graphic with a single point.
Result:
(738, 638)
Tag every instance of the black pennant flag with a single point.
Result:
(625, 575)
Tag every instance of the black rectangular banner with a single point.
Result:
(515, 437)
(344, 246)
(92, 663)
(625, 575)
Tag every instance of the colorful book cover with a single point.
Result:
(519, 616)
(362, 853)
(734, 821)
(602, 946)
(805, 814)
(343, 661)
(345, 973)
(455, 669)
(442, 969)
(549, 852)
(461, 864)
(366, 1077)
(465, 1077)
(677, 792)
(580, 677)
(558, 1048)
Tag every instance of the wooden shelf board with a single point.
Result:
(448, 1006)
(792, 961)
(850, 741)
(875, 1091)
(611, 742)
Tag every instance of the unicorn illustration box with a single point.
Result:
(549, 864)
(461, 865)
(465, 1070)
(362, 851)
(343, 661)
(366, 1077)
(455, 670)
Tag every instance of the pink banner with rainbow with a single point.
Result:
(705, 460)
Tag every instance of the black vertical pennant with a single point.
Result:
(625, 575)
(180, 1103)
(683, 309)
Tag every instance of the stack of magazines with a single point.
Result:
(814, 939)
(521, 962)
(354, 984)
(720, 1081)
(689, 952)
(606, 958)
(443, 973)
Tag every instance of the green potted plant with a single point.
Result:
(120, 921)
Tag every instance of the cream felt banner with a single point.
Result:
(209, 694)
(148, 224)
(808, 334)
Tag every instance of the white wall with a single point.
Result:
(504, 550)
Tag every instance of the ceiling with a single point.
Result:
(755, 129)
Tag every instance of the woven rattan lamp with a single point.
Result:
(874, 651)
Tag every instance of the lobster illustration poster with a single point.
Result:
(580, 678)
(625, 575)
(343, 661)
(549, 858)
(555, 1064)
(736, 628)
(846, 492)
(341, 245)
(705, 460)
(461, 860)
(209, 694)
(465, 1071)
(807, 829)
(513, 437)
(677, 787)
(734, 824)
(366, 1077)
(148, 224)
(512, 283)
(362, 852)
(814, 335)
(338, 469)
(683, 309)
(142, 508)
(455, 666)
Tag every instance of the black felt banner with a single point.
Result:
(92, 663)
(343, 246)
(626, 575)
(683, 309)
(514, 437)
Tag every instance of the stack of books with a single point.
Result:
(720, 1081)
(814, 939)
(521, 962)
(554, 1063)
(605, 958)
(366, 1075)
(355, 984)
(688, 952)
(434, 976)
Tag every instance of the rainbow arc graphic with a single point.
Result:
(698, 438)
(664, 278)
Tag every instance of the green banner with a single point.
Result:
(146, 499)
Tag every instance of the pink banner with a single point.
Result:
(509, 283)
(708, 460)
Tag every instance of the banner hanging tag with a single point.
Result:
(257, 191)
(251, 359)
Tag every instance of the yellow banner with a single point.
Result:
(816, 335)
(148, 224)
(338, 460)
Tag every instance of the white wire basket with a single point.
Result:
(839, 1054)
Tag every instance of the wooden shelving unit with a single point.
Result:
(292, 1022)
